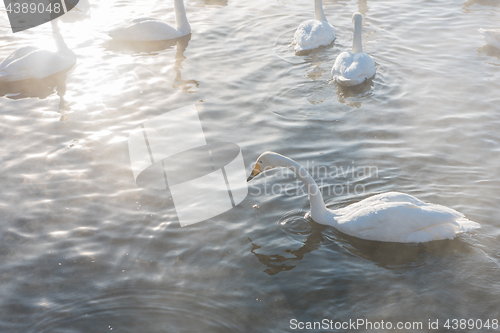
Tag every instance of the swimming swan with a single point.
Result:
(30, 62)
(314, 33)
(492, 37)
(353, 68)
(150, 29)
(387, 217)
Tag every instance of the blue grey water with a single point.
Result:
(83, 249)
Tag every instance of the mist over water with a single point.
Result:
(84, 249)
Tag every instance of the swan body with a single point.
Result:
(314, 33)
(32, 63)
(492, 37)
(386, 217)
(151, 29)
(353, 68)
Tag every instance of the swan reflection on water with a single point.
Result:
(277, 263)
(39, 88)
(154, 48)
(392, 256)
(489, 50)
(186, 85)
(354, 96)
(397, 257)
(215, 2)
(363, 7)
(491, 3)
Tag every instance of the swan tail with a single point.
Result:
(312, 34)
(486, 34)
(442, 231)
(349, 82)
(467, 225)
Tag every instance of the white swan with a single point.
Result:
(314, 33)
(150, 29)
(387, 217)
(32, 63)
(492, 37)
(353, 68)
(77, 12)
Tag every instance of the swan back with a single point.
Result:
(144, 29)
(151, 29)
(33, 63)
(17, 54)
(312, 34)
(38, 64)
(351, 69)
(398, 217)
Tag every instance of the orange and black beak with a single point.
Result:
(255, 172)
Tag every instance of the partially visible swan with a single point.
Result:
(77, 12)
(150, 29)
(32, 63)
(353, 68)
(387, 217)
(492, 37)
(314, 33)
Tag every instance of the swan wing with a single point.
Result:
(313, 33)
(143, 19)
(383, 198)
(37, 64)
(122, 28)
(145, 29)
(492, 37)
(351, 69)
(17, 54)
(397, 217)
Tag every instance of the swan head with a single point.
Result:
(357, 18)
(267, 161)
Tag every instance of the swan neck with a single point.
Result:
(180, 17)
(318, 10)
(56, 33)
(318, 208)
(357, 44)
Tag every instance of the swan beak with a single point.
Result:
(255, 172)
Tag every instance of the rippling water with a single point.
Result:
(84, 249)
